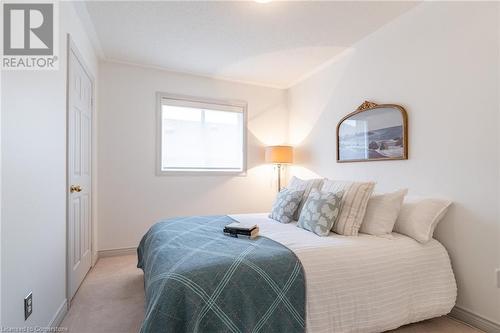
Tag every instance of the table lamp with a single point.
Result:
(279, 155)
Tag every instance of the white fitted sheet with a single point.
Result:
(366, 283)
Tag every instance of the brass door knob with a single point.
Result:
(75, 188)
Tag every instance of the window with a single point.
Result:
(198, 135)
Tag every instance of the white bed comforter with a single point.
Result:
(366, 283)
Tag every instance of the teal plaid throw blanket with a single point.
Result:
(199, 280)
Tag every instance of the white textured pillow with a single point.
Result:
(354, 201)
(297, 184)
(419, 217)
(382, 212)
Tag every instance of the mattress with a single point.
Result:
(366, 283)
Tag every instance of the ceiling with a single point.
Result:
(272, 44)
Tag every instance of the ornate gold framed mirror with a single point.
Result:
(374, 132)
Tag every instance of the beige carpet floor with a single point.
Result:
(111, 300)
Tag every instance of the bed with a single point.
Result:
(351, 284)
(366, 283)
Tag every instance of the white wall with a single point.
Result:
(131, 196)
(33, 230)
(441, 62)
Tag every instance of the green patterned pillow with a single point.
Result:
(320, 211)
(286, 203)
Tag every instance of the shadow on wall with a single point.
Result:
(324, 98)
(268, 126)
(307, 130)
(284, 66)
(454, 233)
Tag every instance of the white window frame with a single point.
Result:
(202, 100)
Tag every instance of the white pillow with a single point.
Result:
(306, 185)
(354, 201)
(419, 217)
(382, 212)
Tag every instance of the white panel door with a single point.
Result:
(79, 172)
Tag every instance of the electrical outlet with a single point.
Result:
(28, 305)
(497, 274)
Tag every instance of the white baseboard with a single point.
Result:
(117, 252)
(60, 314)
(95, 256)
(474, 320)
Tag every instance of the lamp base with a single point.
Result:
(279, 176)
